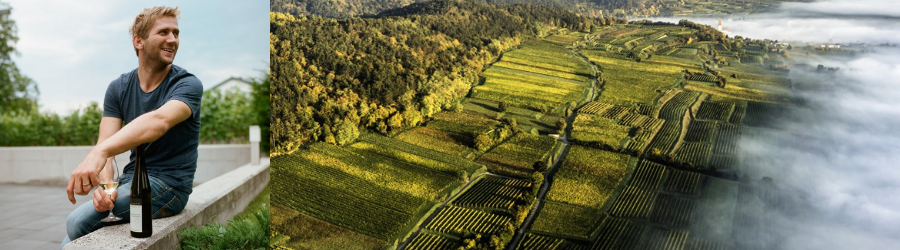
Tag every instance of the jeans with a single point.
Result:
(166, 201)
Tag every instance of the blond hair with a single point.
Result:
(145, 20)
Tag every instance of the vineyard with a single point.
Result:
(694, 155)
(427, 241)
(518, 155)
(537, 242)
(438, 140)
(492, 192)
(588, 177)
(599, 132)
(627, 82)
(466, 123)
(457, 220)
(719, 111)
(664, 201)
(539, 76)
(654, 159)
(570, 221)
(347, 208)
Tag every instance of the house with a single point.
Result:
(234, 82)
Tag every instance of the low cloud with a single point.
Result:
(834, 158)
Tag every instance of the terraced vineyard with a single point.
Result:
(665, 199)
(427, 241)
(456, 220)
(653, 161)
(539, 76)
(492, 192)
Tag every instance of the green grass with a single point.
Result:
(526, 118)
(250, 230)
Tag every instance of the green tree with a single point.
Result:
(261, 108)
(346, 132)
(17, 91)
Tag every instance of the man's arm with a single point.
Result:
(108, 127)
(143, 129)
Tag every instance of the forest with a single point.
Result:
(333, 77)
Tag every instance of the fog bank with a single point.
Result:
(834, 156)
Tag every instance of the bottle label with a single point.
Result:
(136, 219)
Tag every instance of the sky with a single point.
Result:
(74, 49)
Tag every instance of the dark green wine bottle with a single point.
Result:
(141, 213)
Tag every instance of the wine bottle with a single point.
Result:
(141, 213)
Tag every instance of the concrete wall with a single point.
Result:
(54, 165)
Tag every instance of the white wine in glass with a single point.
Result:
(109, 181)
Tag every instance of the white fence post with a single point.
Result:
(254, 144)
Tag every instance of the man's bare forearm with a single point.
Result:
(143, 129)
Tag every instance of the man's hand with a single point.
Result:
(85, 176)
(103, 202)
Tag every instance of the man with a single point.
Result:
(159, 104)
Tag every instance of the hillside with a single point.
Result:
(596, 8)
(335, 78)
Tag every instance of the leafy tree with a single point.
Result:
(17, 91)
(261, 109)
(346, 132)
(225, 116)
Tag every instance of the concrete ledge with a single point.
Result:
(222, 198)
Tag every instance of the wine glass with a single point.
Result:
(109, 180)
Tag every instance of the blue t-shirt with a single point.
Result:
(173, 157)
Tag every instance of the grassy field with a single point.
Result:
(527, 119)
